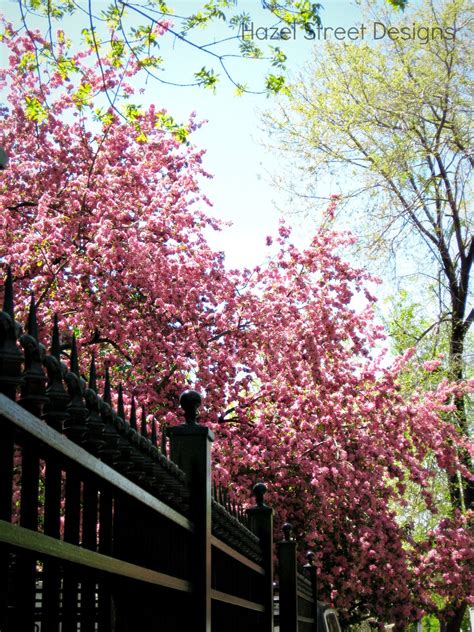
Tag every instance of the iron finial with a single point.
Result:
(190, 402)
(287, 530)
(154, 438)
(143, 428)
(259, 491)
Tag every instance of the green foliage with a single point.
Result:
(409, 325)
(34, 110)
(430, 624)
(113, 32)
(249, 49)
(106, 118)
(28, 62)
(112, 16)
(207, 78)
(301, 12)
(278, 58)
(83, 95)
(57, 9)
(116, 53)
(276, 84)
(370, 111)
(167, 122)
(240, 89)
(398, 4)
(66, 66)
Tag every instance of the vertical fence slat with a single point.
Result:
(25, 572)
(105, 547)
(89, 541)
(51, 568)
(6, 494)
(71, 534)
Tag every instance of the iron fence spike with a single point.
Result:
(32, 324)
(154, 438)
(93, 375)
(133, 414)
(143, 428)
(55, 340)
(8, 302)
(120, 404)
(107, 391)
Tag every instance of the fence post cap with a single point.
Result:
(287, 530)
(190, 401)
(259, 491)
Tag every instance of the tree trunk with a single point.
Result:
(453, 623)
(460, 489)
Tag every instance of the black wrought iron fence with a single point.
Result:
(101, 530)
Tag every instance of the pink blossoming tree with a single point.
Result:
(105, 222)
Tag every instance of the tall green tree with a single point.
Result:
(392, 118)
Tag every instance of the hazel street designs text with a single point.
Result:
(375, 31)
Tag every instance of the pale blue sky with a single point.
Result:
(240, 190)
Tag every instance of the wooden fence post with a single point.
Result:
(288, 582)
(190, 449)
(261, 523)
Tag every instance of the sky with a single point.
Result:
(240, 190)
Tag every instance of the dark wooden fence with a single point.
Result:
(101, 531)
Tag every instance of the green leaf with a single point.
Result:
(276, 84)
(207, 78)
(279, 58)
(65, 66)
(240, 88)
(116, 54)
(28, 62)
(132, 112)
(167, 122)
(83, 96)
(34, 110)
